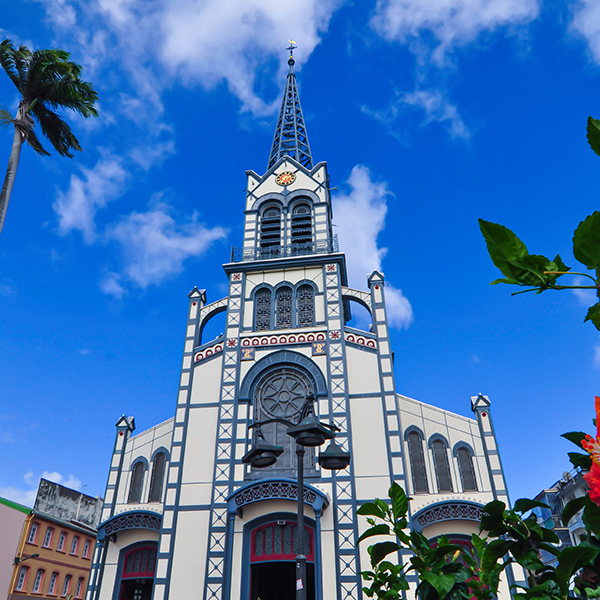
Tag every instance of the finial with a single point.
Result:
(291, 48)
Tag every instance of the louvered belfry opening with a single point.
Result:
(301, 225)
(270, 229)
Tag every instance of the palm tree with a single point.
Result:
(46, 80)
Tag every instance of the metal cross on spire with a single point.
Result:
(290, 134)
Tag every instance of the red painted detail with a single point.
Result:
(484, 414)
(320, 337)
(193, 304)
(139, 562)
(120, 433)
(275, 541)
(301, 338)
(376, 287)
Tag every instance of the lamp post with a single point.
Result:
(19, 559)
(308, 432)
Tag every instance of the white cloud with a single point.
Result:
(8, 289)
(584, 297)
(193, 41)
(155, 246)
(360, 218)
(76, 208)
(26, 495)
(450, 22)
(432, 102)
(586, 23)
(596, 357)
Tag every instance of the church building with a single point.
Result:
(191, 513)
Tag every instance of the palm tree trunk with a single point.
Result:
(11, 173)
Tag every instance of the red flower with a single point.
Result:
(593, 480)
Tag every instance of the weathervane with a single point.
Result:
(292, 47)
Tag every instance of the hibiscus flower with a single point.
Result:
(592, 445)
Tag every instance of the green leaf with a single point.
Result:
(442, 583)
(575, 437)
(584, 461)
(370, 508)
(379, 551)
(593, 315)
(593, 134)
(503, 245)
(399, 501)
(382, 529)
(586, 241)
(572, 508)
(525, 504)
(494, 551)
(572, 559)
(591, 516)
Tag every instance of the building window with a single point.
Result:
(21, 580)
(466, 469)
(66, 585)
(61, 541)
(262, 310)
(139, 563)
(301, 225)
(270, 228)
(417, 463)
(37, 584)
(32, 533)
(137, 479)
(48, 537)
(86, 549)
(74, 544)
(53, 581)
(281, 393)
(306, 306)
(442, 468)
(283, 308)
(79, 588)
(158, 473)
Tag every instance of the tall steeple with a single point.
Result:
(290, 135)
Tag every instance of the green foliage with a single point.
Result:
(538, 273)
(593, 134)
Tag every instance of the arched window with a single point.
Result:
(270, 228)
(417, 463)
(262, 310)
(467, 471)
(283, 308)
(139, 562)
(281, 394)
(442, 468)
(137, 479)
(301, 225)
(306, 306)
(158, 473)
(37, 584)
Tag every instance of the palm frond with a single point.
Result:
(56, 130)
(8, 62)
(6, 118)
(34, 142)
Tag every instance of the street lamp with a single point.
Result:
(18, 559)
(309, 432)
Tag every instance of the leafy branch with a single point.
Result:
(537, 273)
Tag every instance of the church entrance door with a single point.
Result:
(137, 577)
(272, 561)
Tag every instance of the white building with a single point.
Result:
(185, 518)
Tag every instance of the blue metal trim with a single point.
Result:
(102, 526)
(437, 436)
(321, 501)
(412, 428)
(417, 527)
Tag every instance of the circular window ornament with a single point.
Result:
(282, 393)
(285, 178)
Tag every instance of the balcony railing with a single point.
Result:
(326, 246)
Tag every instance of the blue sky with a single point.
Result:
(430, 113)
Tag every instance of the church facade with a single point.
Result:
(185, 517)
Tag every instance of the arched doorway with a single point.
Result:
(273, 551)
(137, 576)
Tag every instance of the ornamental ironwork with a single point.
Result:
(306, 306)
(282, 394)
(263, 310)
(283, 307)
(326, 246)
(133, 521)
(272, 490)
(448, 512)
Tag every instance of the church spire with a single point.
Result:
(290, 135)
